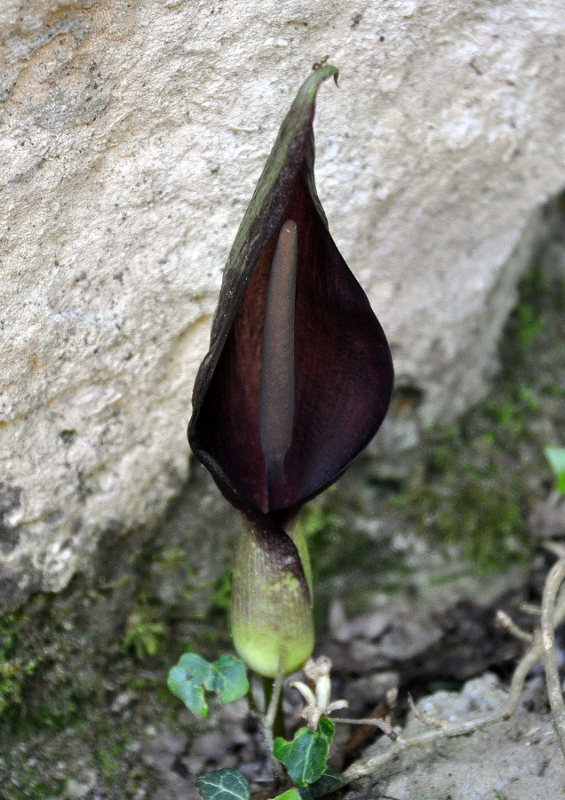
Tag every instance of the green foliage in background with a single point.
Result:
(556, 458)
(14, 668)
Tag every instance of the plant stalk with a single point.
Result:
(274, 718)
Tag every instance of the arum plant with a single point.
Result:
(296, 382)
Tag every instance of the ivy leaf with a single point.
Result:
(193, 674)
(191, 694)
(196, 667)
(230, 678)
(556, 458)
(330, 779)
(290, 794)
(223, 784)
(305, 757)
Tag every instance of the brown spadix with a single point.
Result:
(277, 374)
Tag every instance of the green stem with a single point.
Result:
(272, 717)
(277, 727)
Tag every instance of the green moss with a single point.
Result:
(476, 490)
(527, 322)
(476, 512)
(144, 630)
(67, 657)
(346, 554)
(221, 595)
(317, 518)
(14, 668)
(29, 783)
(109, 759)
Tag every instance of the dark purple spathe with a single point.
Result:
(343, 372)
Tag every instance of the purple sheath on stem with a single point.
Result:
(277, 375)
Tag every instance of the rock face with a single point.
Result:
(132, 137)
(514, 759)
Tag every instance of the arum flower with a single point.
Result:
(318, 701)
(296, 382)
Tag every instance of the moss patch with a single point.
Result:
(481, 477)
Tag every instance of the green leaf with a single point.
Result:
(330, 779)
(556, 458)
(193, 674)
(224, 784)
(191, 694)
(305, 757)
(230, 678)
(197, 668)
(290, 794)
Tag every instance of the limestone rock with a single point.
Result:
(131, 138)
(516, 759)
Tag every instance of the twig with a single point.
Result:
(504, 620)
(362, 735)
(552, 585)
(530, 608)
(444, 728)
(555, 548)
(382, 724)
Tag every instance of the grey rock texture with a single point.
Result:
(515, 760)
(131, 138)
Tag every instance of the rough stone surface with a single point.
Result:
(132, 137)
(515, 760)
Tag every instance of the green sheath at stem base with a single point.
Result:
(271, 604)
